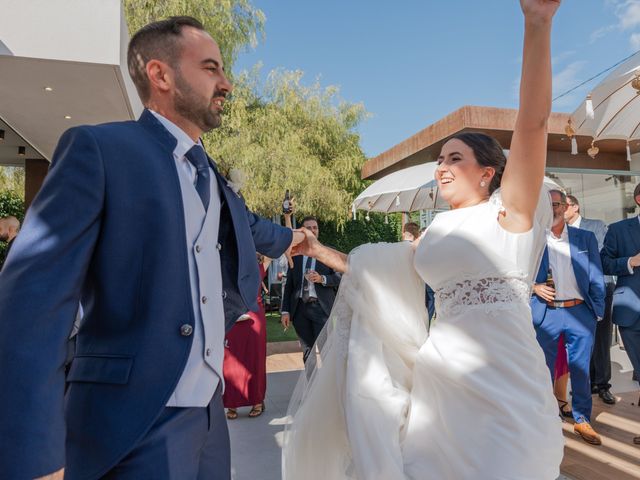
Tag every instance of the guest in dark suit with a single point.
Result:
(572, 307)
(600, 367)
(309, 294)
(134, 221)
(621, 257)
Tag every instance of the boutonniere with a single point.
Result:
(236, 180)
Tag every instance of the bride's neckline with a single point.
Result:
(483, 202)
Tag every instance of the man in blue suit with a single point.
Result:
(135, 223)
(621, 257)
(600, 370)
(572, 306)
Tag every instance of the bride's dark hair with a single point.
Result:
(488, 153)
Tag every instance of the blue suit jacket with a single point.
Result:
(587, 268)
(623, 241)
(107, 229)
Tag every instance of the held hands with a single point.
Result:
(309, 246)
(539, 11)
(545, 292)
(298, 238)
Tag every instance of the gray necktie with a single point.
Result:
(198, 158)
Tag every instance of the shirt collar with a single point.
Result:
(563, 236)
(185, 143)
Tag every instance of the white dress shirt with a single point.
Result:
(561, 266)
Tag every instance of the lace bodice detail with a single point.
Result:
(489, 293)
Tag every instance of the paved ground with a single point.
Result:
(255, 442)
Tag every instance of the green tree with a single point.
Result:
(234, 24)
(291, 136)
(11, 203)
(12, 180)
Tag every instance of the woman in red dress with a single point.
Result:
(245, 358)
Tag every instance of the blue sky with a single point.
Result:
(411, 62)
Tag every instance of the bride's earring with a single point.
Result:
(483, 183)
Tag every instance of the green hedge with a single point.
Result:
(10, 204)
(357, 232)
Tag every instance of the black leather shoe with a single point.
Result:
(607, 397)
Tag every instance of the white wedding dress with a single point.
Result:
(470, 399)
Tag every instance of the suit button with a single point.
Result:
(186, 330)
(224, 294)
(208, 352)
(219, 246)
(198, 248)
(204, 299)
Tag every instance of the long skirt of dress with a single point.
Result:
(378, 402)
(245, 357)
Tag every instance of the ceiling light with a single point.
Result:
(67, 117)
(22, 151)
(48, 89)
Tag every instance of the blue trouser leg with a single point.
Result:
(189, 443)
(580, 326)
(631, 338)
(547, 333)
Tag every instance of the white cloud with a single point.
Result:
(566, 79)
(628, 15)
(635, 41)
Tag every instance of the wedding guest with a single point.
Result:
(134, 221)
(621, 257)
(571, 307)
(410, 232)
(309, 293)
(245, 357)
(600, 366)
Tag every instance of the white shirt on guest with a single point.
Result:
(566, 285)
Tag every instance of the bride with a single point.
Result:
(470, 399)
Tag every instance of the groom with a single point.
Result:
(135, 222)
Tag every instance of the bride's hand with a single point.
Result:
(309, 246)
(539, 10)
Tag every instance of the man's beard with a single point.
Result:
(194, 107)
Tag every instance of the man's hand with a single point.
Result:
(285, 320)
(635, 260)
(314, 276)
(297, 239)
(309, 246)
(545, 292)
(59, 475)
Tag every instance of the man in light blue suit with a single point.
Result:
(571, 307)
(135, 222)
(621, 257)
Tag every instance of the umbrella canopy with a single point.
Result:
(406, 190)
(612, 110)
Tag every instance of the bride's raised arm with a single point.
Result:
(524, 171)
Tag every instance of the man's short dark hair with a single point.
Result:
(309, 218)
(412, 228)
(574, 201)
(160, 41)
(636, 191)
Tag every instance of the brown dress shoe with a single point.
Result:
(636, 440)
(587, 433)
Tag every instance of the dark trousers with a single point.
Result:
(600, 367)
(631, 339)
(308, 322)
(183, 444)
(578, 325)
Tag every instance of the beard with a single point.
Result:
(194, 107)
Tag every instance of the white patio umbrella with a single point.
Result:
(406, 190)
(612, 110)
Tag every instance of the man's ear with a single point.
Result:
(160, 75)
